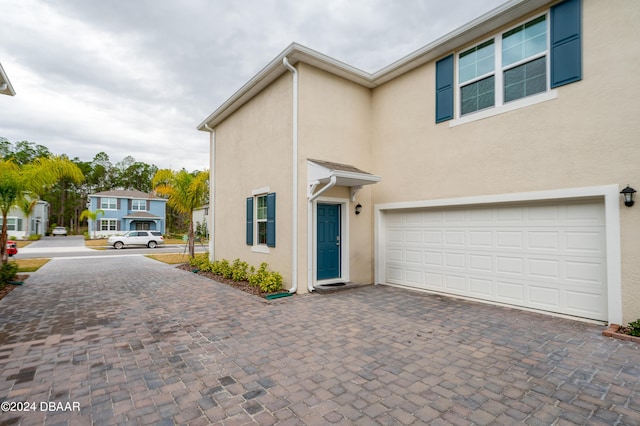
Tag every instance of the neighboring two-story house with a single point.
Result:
(36, 223)
(486, 165)
(126, 210)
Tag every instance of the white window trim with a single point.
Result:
(257, 220)
(498, 72)
(260, 248)
(115, 221)
(108, 198)
(256, 247)
(144, 203)
(511, 106)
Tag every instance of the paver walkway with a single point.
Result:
(133, 341)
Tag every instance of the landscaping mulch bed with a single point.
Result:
(8, 288)
(240, 285)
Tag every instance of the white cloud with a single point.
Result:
(135, 78)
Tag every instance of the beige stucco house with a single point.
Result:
(486, 165)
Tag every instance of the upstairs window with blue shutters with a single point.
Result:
(524, 60)
(476, 69)
(520, 55)
(531, 58)
(261, 220)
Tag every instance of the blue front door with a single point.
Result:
(328, 241)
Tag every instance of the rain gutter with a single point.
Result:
(294, 217)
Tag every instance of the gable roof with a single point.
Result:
(5, 85)
(126, 193)
(294, 53)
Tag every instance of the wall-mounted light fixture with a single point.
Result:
(358, 208)
(627, 193)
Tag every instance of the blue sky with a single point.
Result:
(136, 77)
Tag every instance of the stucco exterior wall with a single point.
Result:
(576, 136)
(579, 139)
(335, 125)
(253, 151)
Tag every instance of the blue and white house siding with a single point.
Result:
(126, 211)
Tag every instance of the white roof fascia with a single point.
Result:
(294, 53)
(5, 85)
(355, 179)
(487, 23)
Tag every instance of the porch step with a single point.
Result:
(332, 288)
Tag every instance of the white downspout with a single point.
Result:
(312, 197)
(212, 162)
(294, 218)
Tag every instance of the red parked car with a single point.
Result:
(12, 248)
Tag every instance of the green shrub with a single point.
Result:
(200, 261)
(634, 328)
(34, 237)
(239, 270)
(7, 272)
(267, 281)
(223, 268)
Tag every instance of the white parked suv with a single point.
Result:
(59, 230)
(150, 239)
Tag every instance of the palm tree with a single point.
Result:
(30, 180)
(93, 217)
(26, 206)
(185, 192)
(9, 192)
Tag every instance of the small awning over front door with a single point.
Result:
(331, 174)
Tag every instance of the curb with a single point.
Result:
(612, 331)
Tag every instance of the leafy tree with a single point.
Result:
(68, 198)
(138, 176)
(101, 176)
(93, 217)
(185, 192)
(5, 148)
(33, 180)
(25, 152)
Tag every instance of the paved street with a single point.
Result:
(74, 246)
(129, 340)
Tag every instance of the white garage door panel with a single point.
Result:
(546, 256)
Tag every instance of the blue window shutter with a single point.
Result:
(444, 89)
(566, 43)
(250, 221)
(271, 220)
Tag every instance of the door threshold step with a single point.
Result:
(334, 287)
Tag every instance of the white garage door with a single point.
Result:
(542, 256)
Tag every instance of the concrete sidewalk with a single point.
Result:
(134, 341)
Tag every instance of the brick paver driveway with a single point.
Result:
(133, 341)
